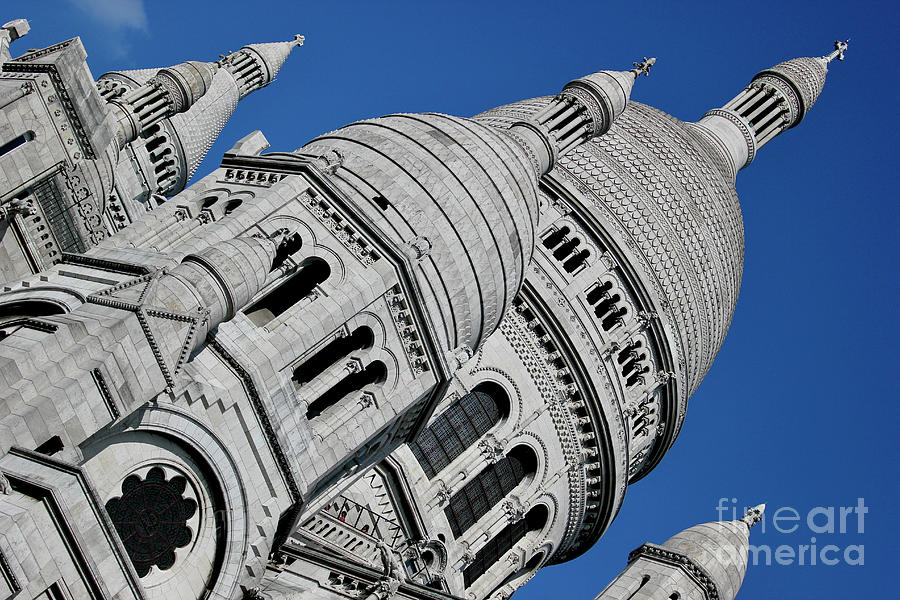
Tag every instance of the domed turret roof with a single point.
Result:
(456, 196)
(721, 549)
(665, 196)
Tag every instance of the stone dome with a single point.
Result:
(457, 197)
(665, 197)
(720, 549)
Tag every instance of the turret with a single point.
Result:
(256, 65)
(776, 100)
(171, 149)
(169, 92)
(584, 109)
(701, 562)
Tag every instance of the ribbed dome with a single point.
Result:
(460, 198)
(665, 196)
(721, 549)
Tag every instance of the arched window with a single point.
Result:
(499, 545)
(375, 372)
(233, 205)
(516, 578)
(311, 273)
(333, 351)
(489, 487)
(29, 308)
(460, 426)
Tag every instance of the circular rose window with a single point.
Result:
(151, 518)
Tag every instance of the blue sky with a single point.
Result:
(799, 409)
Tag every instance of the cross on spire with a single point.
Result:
(839, 49)
(754, 515)
(643, 67)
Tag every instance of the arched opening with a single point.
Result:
(298, 286)
(233, 205)
(29, 308)
(598, 292)
(208, 202)
(459, 426)
(516, 578)
(556, 237)
(50, 446)
(566, 248)
(375, 372)
(489, 487)
(575, 262)
(335, 350)
(499, 545)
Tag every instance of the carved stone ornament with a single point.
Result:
(444, 492)
(491, 448)
(514, 509)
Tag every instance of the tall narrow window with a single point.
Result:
(460, 426)
(335, 350)
(499, 545)
(489, 487)
(375, 372)
(16, 142)
(310, 274)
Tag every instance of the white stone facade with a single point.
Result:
(420, 357)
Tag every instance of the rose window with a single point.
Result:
(151, 518)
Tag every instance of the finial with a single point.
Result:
(643, 67)
(839, 49)
(299, 39)
(754, 515)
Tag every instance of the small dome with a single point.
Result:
(721, 549)
(458, 197)
(807, 77)
(238, 269)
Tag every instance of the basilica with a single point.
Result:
(420, 357)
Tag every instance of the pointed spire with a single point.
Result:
(586, 108)
(720, 549)
(186, 138)
(256, 65)
(776, 100)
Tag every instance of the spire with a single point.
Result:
(255, 66)
(720, 550)
(181, 142)
(776, 100)
(584, 109)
